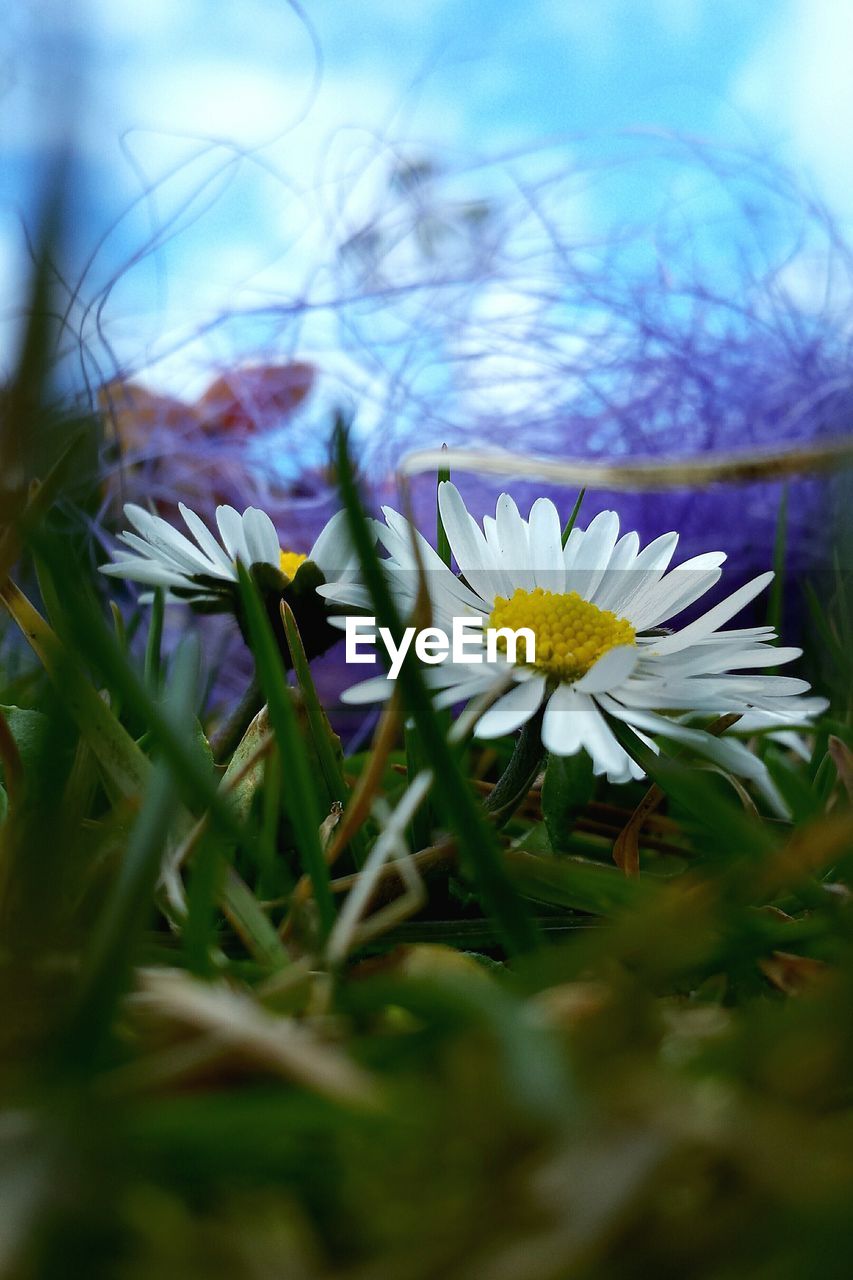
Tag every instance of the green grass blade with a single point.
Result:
(576, 883)
(456, 803)
(207, 873)
(124, 765)
(107, 964)
(818, 614)
(118, 626)
(420, 826)
(325, 742)
(154, 643)
(299, 793)
(268, 862)
(248, 920)
(442, 543)
(724, 825)
(570, 523)
(119, 756)
(777, 587)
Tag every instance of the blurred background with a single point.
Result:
(228, 155)
(572, 229)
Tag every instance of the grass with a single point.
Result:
(517, 1060)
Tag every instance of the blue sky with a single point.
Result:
(211, 126)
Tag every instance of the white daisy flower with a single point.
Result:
(165, 557)
(596, 608)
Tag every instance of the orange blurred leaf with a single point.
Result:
(252, 398)
(790, 973)
(134, 411)
(842, 758)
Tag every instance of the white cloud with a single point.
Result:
(798, 83)
(317, 176)
(213, 99)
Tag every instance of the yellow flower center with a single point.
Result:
(289, 562)
(571, 634)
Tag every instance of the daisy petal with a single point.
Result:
(400, 538)
(261, 538)
(332, 552)
(165, 543)
(461, 691)
(205, 539)
(376, 689)
(679, 589)
(714, 618)
(561, 730)
(727, 752)
(351, 593)
(593, 553)
(617, 579)
(546, 547)
(472, 553)
(573, 721)
(611, 669)
(512, 710)
(608, 756)
(146, 571)
(513, 539)
(230, 528)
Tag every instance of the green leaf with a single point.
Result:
(29, 730)
(273, 874)
(569, 786)
(241, 793)
(573, 882)
(206, 879)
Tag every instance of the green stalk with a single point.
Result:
(457, 805)
(520, 774)
(225, 742)
(442, 543)
(570, 523)
(153, 644)
(298, 793)
(321, 731)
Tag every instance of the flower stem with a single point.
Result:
(228, 738)
(519, 775)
